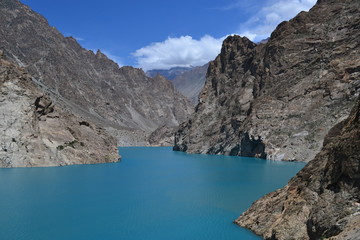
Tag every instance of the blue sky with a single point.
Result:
(164, 33)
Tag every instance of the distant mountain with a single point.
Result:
(264, 41)
(123, 100)
(190, 83)
(170, 73)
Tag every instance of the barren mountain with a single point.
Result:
(191, 83)
(278, 100)
(168, 73)
(124, 100)
(36, 132)
(188, 81)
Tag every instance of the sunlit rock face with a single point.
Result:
(35, 131)
(281, 97)
(122, 99)
(322, 200)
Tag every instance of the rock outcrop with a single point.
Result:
(278, 100)
(36, 132)
(123, 100)
(163, 136)
(323, 199)
(170, 74)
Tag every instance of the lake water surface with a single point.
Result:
(153, 193)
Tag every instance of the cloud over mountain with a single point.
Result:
(186, 51)
(183, 51)
(265, 21)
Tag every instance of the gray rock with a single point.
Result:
(170, 74)
(36, 132)
(323, 199)
(89, 84)
(305, 79)
(190, 83)
(163, 136)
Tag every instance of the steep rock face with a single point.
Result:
(93, 85)
(279, 99)
(191, 83)
(323, 199)
(35, 132)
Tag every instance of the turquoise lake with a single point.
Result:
(153, 193)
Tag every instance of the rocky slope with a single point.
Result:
(191, 83)
(279, 99)
(35, 132)
(323, 199)
(163, 136)
(124, 100)
(188, 81)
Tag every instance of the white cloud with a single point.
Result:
(249, 35)
(265, 21)
(79, 39)
(238, 4)
(183, 51)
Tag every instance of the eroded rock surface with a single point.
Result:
(163, 136)
(323, 199)
(283, 96)
(36, 132)
(123, 100)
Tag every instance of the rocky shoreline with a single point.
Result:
(35, 132)
(323, 199)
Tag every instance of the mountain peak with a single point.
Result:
(281, 90)
(91, 85)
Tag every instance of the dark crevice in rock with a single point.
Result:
(251, 147)
(235, 151)
(84, 123)
(322, 200)
(43, 106)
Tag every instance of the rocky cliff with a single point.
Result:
(36, 132)
(323, 199)
(124, 100)
(278, 100)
